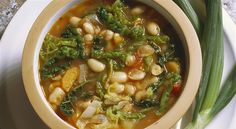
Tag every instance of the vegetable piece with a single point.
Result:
(113, 98)
(113, 17)
(119, 77)
(136, 74)
(99, 119)
(213, 57)
(147, 62)
(75, 21)
(156, 70)
(153, 28)
(172, 78)
(88, 38)
(96, 65)
(137, 33)
(100, 90)
(152, 88)
(56, 96)
(118, 39)
(116, 88)
(129, 89)
(146, 50)
(130, 116)
(130, 60)
(49, 72)
(66, 106)
(108, 35)
(81, 123)
(191, 14)
(140, 95)
(88, 28)
(91, 109)
(69, 78)
(137, 10)
(172, 66)
(147, 103)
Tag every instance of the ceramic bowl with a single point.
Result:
(57, 8)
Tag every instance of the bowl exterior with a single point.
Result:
(57, 8)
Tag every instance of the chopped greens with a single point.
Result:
(67, 106)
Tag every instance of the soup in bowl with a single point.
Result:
(111, 64)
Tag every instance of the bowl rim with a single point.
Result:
(184, 101)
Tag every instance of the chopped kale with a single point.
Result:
(67, 106)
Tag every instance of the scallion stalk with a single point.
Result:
(191, 14)
(226, 94)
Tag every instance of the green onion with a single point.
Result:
(207, 103)
(225, 96)
(191, 14)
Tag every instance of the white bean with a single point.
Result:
(56, 96)
(140, 95)
(136, 74)
(130, 60)
(119, 77)
(108, 35)
(117, 87)
(88, 28)
(75, 21)
(156, 69)
(88, 38)
(146, 50)
(79, 31)
(153, 28)
(138, 10)
(96, 65)
(130, 89)
(117, 39)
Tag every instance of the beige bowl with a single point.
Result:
(57, 8)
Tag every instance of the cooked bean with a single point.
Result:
(117, 39)
(136, 74)
(79, 31)
(153, 28)
(117, 87)
(96, 65)
(146, 50)
(137, 10)
(156, 69)
(130, 60)
(108, 35)
(88, 38)
(56, 96)
(75, 21)
(88, 28)
(129, 89)
(173, 66)
(119, 77)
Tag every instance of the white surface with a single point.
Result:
(15, 109)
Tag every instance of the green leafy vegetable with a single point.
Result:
(67, 106)
(172, 78)
(130, 115)
(52, 71)
(100, 90)
(113, 17)
(147, 103)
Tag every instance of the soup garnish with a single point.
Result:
(111, 64)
